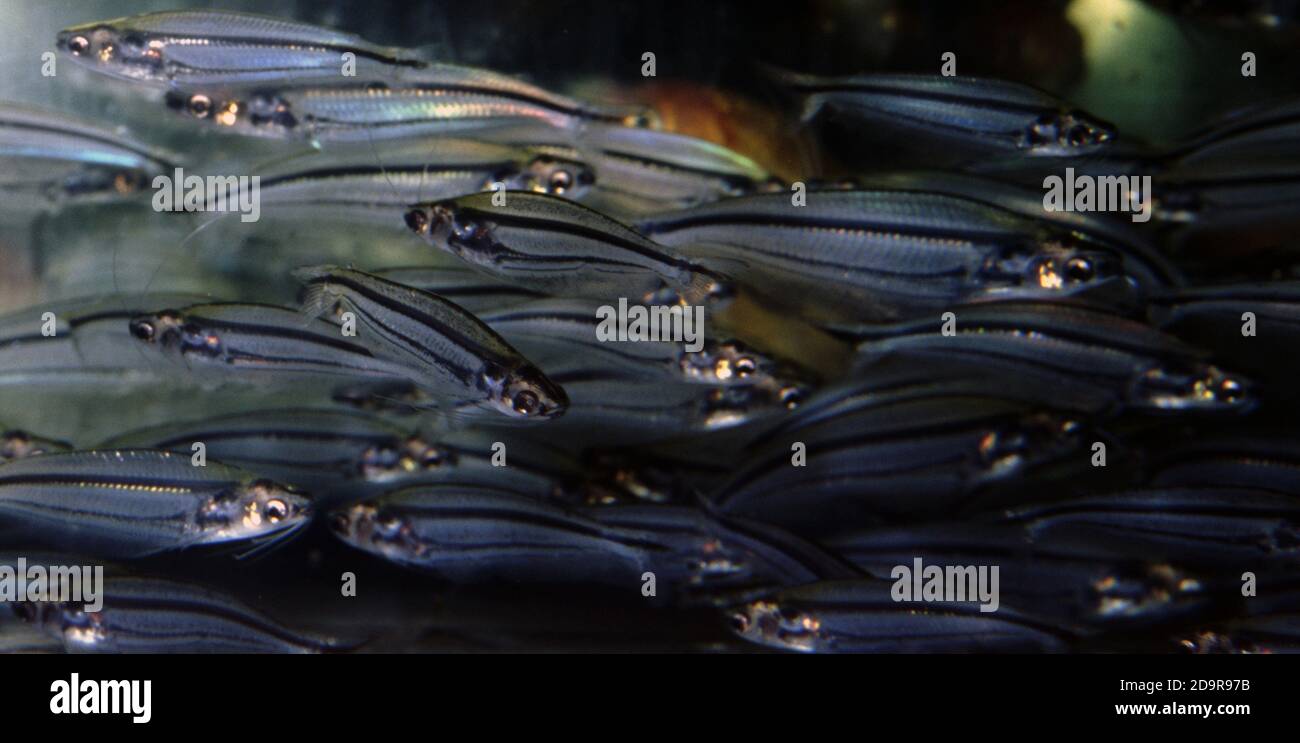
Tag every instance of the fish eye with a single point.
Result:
(417, 221)
(78, 45)
(791, 397)
(143, 329)
(745, 366)
(561, 181)
(526, 403)
(1080, 269)
(276, 510)
(1230, 390)
(200, 105)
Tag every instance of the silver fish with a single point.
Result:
(976, 114)
(1083, 596)
(861, 616)
(308, 448)
(209, 47)
(1216, 528)
(638, 171)
(898, 457)
(554, 330)
(452, 349)
(435, 99)
(885, 254)
(137, 502)
(468, 533)
(48, 159)
(1139, 367)
(156, 615)
(375, 184)
(246, 341)
(558, 247)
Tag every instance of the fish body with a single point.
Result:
(861, 616)
(137, 502)
(436, 99)
(49, 159)
(457, 353)
(980, 115)
(888, 254)
(154, 615)
(209, 47)
(557, 247)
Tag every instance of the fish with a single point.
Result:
(469, 534)
(253, 342)
(898, 458)
(85, 345)
(1080, 596)
(559, 248)
(375, 184)
(1212, 528)
(1265, 458)
(558, 329)
(1266, 635)
(133, 503)
(451, 348)
(861, 616)
(608, 408)
(50, 159)
(437, 99)
(880, 255)
(312, 449)
(338, 454)
(637, 171)
(143, 614)
(971, 114)
(1066, 347)
(1241, 201)
(1267, 130)
(217, 47)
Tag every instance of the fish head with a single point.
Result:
(377, 529)
(255, 509)
(256, 112)
(1052, 264)
(768, 623)
(1190, 386)
(1033, 439)
(524, 392)
(559, 177)
(398, 459)
(66, 620)
(20, 444)
(172, 331)
(1068, 133)
(113, 49)
(728, 362)
(447, 226)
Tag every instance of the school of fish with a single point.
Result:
(391, 415)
